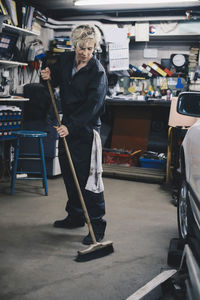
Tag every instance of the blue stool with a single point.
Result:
(30, 156)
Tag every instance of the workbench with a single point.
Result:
(129, 102)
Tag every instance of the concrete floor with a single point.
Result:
(37, 260)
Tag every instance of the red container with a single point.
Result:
(113, 158)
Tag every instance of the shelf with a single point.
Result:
(144, 76)
(14, 99)
(12, 64)
(19, 30)
(176, 38)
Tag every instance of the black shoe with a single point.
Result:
(68, 223)
(88, 239)
(99, 230)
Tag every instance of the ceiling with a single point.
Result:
(65, 10)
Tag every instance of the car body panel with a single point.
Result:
(189, 167)
(191, 146)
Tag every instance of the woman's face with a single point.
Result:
(84, 51)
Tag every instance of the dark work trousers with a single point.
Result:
(80, 150)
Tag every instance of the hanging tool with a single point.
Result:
(96, 249)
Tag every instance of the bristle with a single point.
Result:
(95, 254)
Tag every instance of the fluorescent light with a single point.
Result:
(135, 2)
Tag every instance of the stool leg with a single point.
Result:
(44, 173)
(13, 180)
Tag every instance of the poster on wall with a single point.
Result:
(117, 40)
(119, 56)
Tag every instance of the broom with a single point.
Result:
(95, 250)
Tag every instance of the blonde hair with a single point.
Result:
(83, 33)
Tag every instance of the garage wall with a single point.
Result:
(164, 50)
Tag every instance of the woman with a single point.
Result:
(83, 86)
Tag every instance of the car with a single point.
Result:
(188, 205)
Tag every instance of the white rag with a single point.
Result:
(95, 182)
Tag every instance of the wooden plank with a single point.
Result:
(133, 169)
(151, 285)
(134, 173)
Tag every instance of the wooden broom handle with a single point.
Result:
(72, 167)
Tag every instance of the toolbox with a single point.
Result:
(152, 163)
(119, 156)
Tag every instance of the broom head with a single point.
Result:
(96, 250)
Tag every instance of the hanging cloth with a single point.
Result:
(95, 182)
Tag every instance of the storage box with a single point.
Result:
(153, 163)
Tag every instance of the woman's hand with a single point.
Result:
(46, 74)
(62, 130)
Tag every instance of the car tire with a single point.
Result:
(175, 252)
(182, 210)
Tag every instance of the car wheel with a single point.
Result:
(182, 210)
